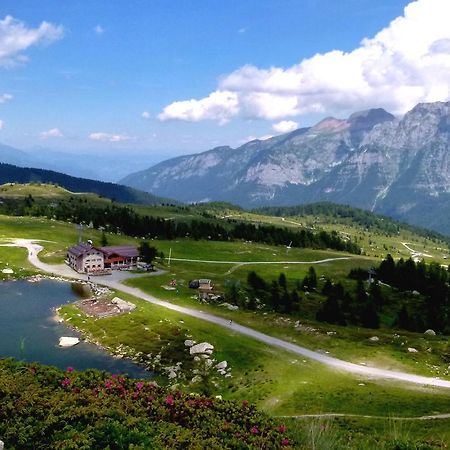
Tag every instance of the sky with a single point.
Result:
(183, 76)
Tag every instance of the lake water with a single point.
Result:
(29, 332)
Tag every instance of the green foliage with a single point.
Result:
(147, 253)
(348, 214)
(429, 307)
(127, 220)
(44, 407)
(117, 192)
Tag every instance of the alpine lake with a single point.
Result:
(29, 331)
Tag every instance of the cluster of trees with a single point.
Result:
(274, 295)
(117, 218)
(342, 307)
(430, 309)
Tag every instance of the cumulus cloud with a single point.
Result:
(16, 37)
(5, 98)
(220, 106)
(145, 115)
(405, 63)
(109, 137)
(285, 126)
(2, 124)
(52, 133)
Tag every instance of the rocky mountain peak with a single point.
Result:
(330, 125)
(397, 166)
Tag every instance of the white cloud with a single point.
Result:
(98, 29)
(220, 106)
(145, 115)
(109, 137)
(2, 124)
(5, 98)
(15, 38)
(405, 63)
(285, 126)
(52, 133)
(242, 30)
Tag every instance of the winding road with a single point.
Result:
(370, 372)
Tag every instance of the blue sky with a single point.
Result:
(82, 81)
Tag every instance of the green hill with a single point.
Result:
(117, 192)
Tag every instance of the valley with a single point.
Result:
(298, 384)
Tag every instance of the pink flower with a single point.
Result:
(244, 403)
(139, 385)
(284, 442)
(65, 382)
(108, 384)
(254, 430)
(169, 400)
(282, 428)
(70, 369)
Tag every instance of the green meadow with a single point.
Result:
(280, 383)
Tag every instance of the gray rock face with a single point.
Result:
(399, 167)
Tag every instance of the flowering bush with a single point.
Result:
(43, 407)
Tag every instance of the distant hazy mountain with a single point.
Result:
(109, 166)
(399, 167)
(11, 155)
(123, 194)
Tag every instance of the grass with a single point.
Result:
(277, 381)
(16, 259)
(349, 343)
(291, 386)
(374, 244)
(369, 434)
(58, 236)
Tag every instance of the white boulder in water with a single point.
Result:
(68, 341)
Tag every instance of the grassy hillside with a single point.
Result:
(117, 192)
(291, 387)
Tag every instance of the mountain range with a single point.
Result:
(396, 166)
(109, 166)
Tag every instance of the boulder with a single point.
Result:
(203, 347)
(2, 445)
(221, 365)
(430, 332)
(123, 305)
(188, 343)
(412, 350)
(68, 341)
(374, 339)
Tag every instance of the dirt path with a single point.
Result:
(368, 372)
(363, 416)
(249, 263)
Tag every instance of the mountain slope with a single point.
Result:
(399, 167)
(124, 194)
(108, 166)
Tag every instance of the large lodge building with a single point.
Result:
(85, 258)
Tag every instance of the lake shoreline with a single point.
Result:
(27, 317)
